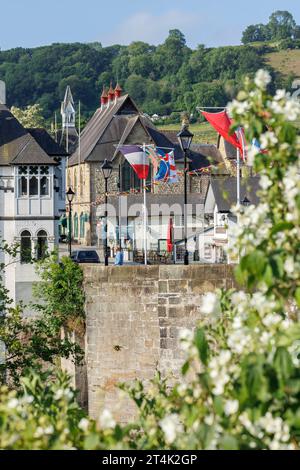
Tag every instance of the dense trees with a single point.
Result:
(281, 25)
(162, 79)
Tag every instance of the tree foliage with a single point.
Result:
(159, 78)
(240, 383)
(29, 117)
(29, 343)
(281, 25)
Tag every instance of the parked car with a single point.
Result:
(63, 238)
(85, 256)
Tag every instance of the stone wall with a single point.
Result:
(133, 318)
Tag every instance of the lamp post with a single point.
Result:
(246, 202)
(70, 195)
(106, 171)
(185, 138)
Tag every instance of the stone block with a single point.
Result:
(162, 311)
(162, 286)
(163, 332)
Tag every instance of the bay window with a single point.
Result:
(33, 181)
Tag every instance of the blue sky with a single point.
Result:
(29, 23)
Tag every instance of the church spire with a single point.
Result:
(68, 109)
(68, 114)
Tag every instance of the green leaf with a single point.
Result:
(91, 442)
(281, 226)
(297, 296)
(283, 363)
(255, 385)
(202, 345)
(228, 443)
(218, 405)
(185, 367)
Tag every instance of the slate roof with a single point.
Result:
(17, 146)
(97, 125)
(113, 126)
(48, 144)
(224, 190)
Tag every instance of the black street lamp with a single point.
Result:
(245, 202)
(185, 138)
(70, 195)
(106, 171)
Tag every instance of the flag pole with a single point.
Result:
(79, 145)
(145, 217)
(238, 178)
(238, 166)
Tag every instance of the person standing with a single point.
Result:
(119, 259)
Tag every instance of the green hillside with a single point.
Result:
(165, 79)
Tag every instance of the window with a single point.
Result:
(41, 244)
(23, 186)
(207, 250)
(33, 186)
(179, 220)
(82, 223)
(129, 178)
(33, 181)
(75, 226)
(25, 247)
(44, 186)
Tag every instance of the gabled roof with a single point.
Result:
(225, 191)
(17, 146)
(48, 144)
(97, 125)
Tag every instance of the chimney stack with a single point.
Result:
(104, 98)
(118, 91)
(111, 94)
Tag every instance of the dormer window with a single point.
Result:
(33, 181)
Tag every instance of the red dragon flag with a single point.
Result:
(170, 236)
(137, 158)
(222, 123)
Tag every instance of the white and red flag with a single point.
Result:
(137, 158)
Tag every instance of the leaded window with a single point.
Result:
(33, 181)
(25, 246)
(41, 244)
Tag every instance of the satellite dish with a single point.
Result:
(2, 92)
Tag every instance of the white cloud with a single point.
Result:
(144, 26)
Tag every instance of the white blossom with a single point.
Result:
(210, 304)
(289, 265)
(262, 79)
(171, 427)
(186, 338)
(84, 424)
(268, 139)
(59, 394)
(265, 182)
(13, 403)
(231, 407)
(106, 420)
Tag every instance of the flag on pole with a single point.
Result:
(167, 168)
(222, 123)
(173, 177)
(164, 167)
(137, 158)
(170, 236)
(154, 158)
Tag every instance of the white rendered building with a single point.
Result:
(32, 199)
